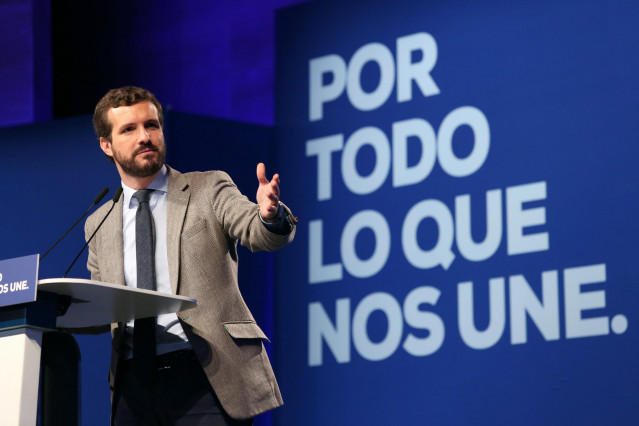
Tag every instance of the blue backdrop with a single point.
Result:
(466, 186)
(464, 175)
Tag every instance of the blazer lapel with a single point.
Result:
(177, 202)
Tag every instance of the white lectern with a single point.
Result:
(63, 303)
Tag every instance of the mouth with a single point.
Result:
(146, 150)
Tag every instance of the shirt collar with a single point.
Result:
(160, 183)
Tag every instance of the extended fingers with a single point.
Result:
(275, 185)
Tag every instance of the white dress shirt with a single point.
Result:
(169, 333)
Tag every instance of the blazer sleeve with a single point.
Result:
(92, 266)
(239, 217)
(92, 261)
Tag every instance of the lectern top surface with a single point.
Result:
(97, 303)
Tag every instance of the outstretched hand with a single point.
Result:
(268, 193)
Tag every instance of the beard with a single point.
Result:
(148, 168)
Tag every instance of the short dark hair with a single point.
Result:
(124, 96)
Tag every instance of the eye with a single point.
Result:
(128, 129)
(152, 125)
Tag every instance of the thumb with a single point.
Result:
(261, 173)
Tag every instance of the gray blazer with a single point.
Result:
(206, 216)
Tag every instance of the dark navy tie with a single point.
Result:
(144, 328)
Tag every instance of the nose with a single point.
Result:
(144, 135)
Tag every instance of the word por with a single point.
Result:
(329, 76)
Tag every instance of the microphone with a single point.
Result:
(116, 197)
(97, 199)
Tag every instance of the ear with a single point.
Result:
(105, 144)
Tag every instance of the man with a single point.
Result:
(207, 365)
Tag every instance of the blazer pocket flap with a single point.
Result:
(244, 330)
(194, 229)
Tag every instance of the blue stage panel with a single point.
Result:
(465, 181)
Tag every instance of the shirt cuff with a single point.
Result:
(280, 225)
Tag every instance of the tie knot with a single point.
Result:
(143, 195)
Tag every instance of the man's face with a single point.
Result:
(137, 141)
